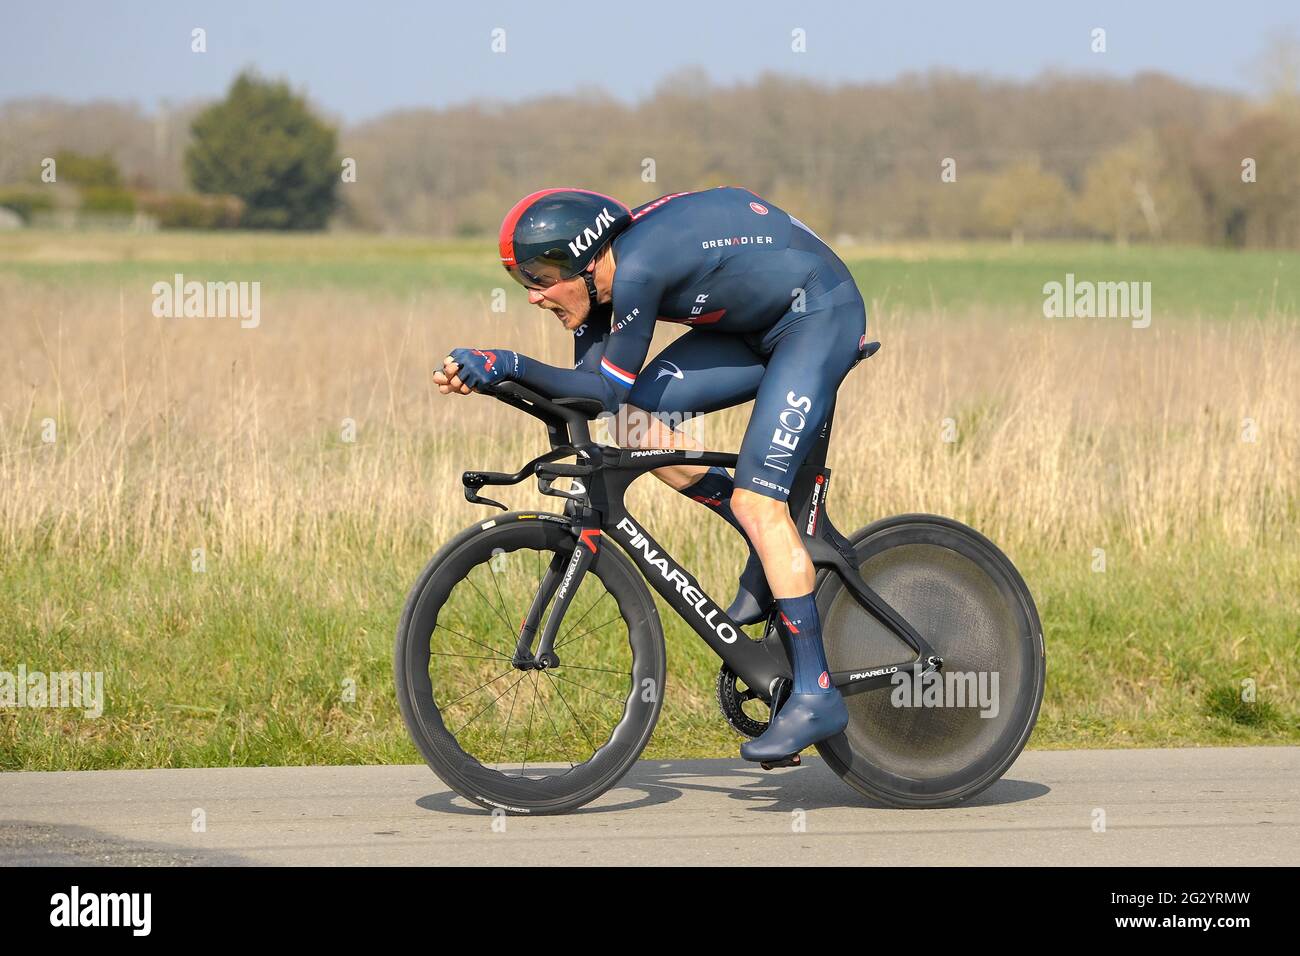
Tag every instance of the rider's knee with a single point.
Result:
(755, 511)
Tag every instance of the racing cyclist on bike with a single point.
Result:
(774, 316)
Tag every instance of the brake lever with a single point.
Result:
(472, 482)
(479, 500)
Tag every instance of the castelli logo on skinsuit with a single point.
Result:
(759, 208)
(593, 232)
(824, 681)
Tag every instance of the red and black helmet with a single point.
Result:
(553, 234)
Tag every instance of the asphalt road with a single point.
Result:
(1204, 806)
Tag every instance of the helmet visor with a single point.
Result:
(542, 272)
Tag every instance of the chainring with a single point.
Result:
(731, 701)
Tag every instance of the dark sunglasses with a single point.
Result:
(529, 275)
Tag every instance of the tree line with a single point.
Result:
(940, 155)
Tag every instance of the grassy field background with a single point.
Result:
(1187, 282)
(1145, 481)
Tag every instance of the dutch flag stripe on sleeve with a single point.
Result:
(617, 374)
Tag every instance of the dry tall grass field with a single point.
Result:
(1146, 481)
(173, 433)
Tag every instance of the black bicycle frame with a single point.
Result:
(596, 511)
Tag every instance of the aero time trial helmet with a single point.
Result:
(553, 234)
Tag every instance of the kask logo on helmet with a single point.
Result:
(582, 243)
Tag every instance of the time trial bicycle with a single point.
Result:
(530, 663)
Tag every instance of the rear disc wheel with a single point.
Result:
(934, 744)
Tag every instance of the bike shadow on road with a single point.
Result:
(811, 786)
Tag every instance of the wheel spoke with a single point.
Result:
(592, 630)
(505, 739)
(585, 687)
(477, 689)
(576, 720)
(489, 604)
(504, 657)
(489, 704)
(532, 712)
(580, 667)
(551, 720)
(602, 597)
(495, 576)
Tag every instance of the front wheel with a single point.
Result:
(942, 738)
(527, 740)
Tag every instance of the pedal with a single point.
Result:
(791, 761)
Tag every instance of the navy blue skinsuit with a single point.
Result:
(774, 317)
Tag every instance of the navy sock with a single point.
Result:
(801, 623)
(713, 489)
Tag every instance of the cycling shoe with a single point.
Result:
(803, 720)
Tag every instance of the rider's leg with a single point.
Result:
(810, 358)
(697, 373)
(700, 372)
(768, 524)
(710, 486)
(753, 598)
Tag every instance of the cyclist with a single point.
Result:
(774, 316)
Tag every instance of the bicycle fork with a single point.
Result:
(562, 579)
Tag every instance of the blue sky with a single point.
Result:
(359, 59)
